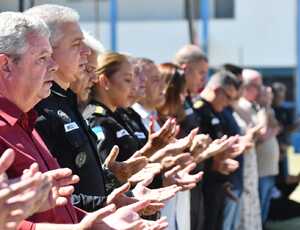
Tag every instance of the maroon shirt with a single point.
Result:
(17, 132)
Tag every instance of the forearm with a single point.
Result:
(147, 150)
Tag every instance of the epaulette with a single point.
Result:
(100, 110)
(198, 104)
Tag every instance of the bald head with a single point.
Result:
(195, 64)
(189, 53)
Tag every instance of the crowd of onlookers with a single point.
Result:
(91, 139)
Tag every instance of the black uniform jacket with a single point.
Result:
(69, 139)
(109, 131)
(132, 121)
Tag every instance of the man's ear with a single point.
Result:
(183, 66)
(218, 89)
(4, 63)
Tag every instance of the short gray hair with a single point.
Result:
(188, 54)
(250, 75)
(94, 44)
(54, 16)
(223, 79)
(14, 30)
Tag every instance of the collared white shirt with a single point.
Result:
(147, 116)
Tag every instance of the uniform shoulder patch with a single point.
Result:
(99, 133)
(100, 110)
(198, 104)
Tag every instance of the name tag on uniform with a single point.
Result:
(71, 126)
(122, 133)
(215, 121)
(189, 111)
(140, 135)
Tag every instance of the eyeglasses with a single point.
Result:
(228, 96)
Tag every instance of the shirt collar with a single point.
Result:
(245, 102)
(12, 114)
(57, 90)
(142, 111)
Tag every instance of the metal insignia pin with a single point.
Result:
(63, 116)
(80, 159)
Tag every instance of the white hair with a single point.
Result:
(222, 79)
(54, 16)
(94, 44)
(189, 53)
(14, 30)
(250, 75)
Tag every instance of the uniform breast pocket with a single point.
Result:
(78, 147)
(76, 138)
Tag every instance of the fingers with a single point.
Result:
(189, 168)
(137, 163)
(112, 155)
(19, 187)
(183, 159)
(58, 174)
(136, 225)
(172, 171)
(177, 130)
(151, 126)
(66, 191)
(136, 207)
(193, 133)
(146, 181)
(6, 160)
(72, 179)
(165, 129)
(101, 213)
(61, 201)
(163, 224)
(117, 192)
(34, 168)
(149, 171)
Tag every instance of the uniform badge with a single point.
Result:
(99, 133)
(198, 104)
(122, 133)
(71, 126)
(189, 111)
(100, 110)
(80, 159)
(215, 121)
(140, 135)
(63, 116)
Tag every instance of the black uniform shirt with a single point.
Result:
(132, 121)
(109, 132)
(69, 140)
(212, 123)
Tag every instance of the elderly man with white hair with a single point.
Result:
(246, 115)
(65, 131)
(26, 75)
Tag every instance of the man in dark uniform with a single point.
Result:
(218, 93)
(60, 124)
(195, 64)
(68, 138)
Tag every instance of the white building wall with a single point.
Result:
(262, 33)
